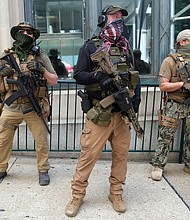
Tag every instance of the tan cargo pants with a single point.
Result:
(9, 121)
(93, 140)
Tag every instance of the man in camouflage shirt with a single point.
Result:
(174, 82)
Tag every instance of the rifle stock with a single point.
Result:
(103, 58)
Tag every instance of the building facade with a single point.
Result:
(65, 24)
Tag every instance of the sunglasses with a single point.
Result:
(22, 31)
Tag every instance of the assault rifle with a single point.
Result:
(122, 95)
(27, 86)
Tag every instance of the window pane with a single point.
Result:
(58, 16)
(60, 23)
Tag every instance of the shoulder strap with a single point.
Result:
(179, 60)
(97, 42)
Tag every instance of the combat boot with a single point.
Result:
(119, 204)
(156, 173)
(3, 174)
(44, 179)
(186, 169)
(73, 206)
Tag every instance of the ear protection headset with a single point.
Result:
(103, 17)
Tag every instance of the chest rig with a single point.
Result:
(125, 74)
(178, 69)
(40, 83)
(179, 63)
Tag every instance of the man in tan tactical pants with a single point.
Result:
(30, 60)
(93, 140)
(8, 123)
(104, 123)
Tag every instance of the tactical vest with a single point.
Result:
(181, 94)
(119, 60)
(40, 92)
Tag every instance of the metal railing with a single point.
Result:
(67, 121)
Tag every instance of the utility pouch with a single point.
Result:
(46, 107)
(167, 121)
(42, 90)
(130, 79)
(99, 115)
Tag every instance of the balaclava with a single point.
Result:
(23, 45)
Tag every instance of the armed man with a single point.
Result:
(25, 72)
(109, 96)
(175, 83)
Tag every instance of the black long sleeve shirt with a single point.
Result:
(83, 72)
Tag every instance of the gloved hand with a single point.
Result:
(186, 85)
(35, 66)
(105, 81)
(6, 71)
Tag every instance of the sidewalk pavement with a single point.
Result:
(22, 198)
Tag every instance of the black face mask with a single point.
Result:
(23, 45)
(23, 40)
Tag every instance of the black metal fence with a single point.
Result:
(67, 121)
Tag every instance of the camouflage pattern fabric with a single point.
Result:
(166, 134)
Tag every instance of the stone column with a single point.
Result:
(160, 32)
(11, 13)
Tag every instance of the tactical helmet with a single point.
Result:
(24, 25)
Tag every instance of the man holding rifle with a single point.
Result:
(104, 118)
(25, 72)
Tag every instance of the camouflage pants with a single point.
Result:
(176, 111)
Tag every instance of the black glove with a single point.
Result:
(35, 66)
(105, 81)
(6, 71)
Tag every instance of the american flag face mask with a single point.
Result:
(113, 30)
